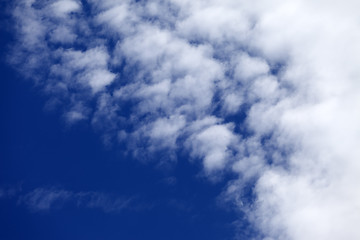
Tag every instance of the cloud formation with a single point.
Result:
(268, 90)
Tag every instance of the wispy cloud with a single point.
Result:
(47, 199)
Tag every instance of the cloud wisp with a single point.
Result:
(268, 90)
(47, 199)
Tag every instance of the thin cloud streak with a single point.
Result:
(47, 199)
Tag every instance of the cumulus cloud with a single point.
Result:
(213, 145)
(268, 90)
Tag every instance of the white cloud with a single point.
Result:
(62, 34)
(233, 101)
(63, 7)
(213, 145)
(214, 22)
(287, 72)
(92, 58)
(248, 67)
(98, 79)
(167, 128)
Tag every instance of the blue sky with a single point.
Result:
(174, 119)
(39, 151)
